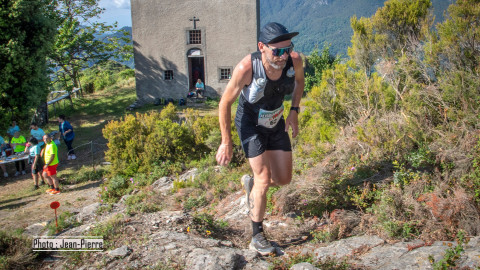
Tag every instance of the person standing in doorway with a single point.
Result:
(262, 79)
(66, 131)
(50, 155)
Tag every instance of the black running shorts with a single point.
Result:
(256, 140)
(39, 166)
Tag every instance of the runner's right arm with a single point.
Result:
(242, 75)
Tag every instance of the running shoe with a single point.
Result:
(49, 190)
(260, 244)
(247, 184)
(55, 192)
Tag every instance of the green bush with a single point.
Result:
(114, 188)
(138, 142)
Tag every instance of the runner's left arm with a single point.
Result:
(292, 119)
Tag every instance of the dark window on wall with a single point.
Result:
(168, 75)
(195, 37)
(225, 73)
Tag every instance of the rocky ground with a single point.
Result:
(174, 240)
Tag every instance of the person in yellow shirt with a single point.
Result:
(50, 155)
(18, 143)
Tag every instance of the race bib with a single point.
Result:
(269, 119)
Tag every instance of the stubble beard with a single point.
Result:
(274, 65)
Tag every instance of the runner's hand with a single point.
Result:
(292, 121)
(224, 154)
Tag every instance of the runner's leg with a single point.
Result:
(258, 197)
(271, 168)
(280, 166)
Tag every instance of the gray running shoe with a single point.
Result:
(247, 184)
(260, 244)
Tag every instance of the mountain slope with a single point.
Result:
(325, 21)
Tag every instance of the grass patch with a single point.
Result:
(75, 176)
(108, 230)
(143, 202)
(65, 220)
(452, 254)
(16, 251)
(205, 224)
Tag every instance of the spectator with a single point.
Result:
(199, 87)
(66, 131)
(37, 133)
(18, 143)
(50, 155)
(4, 146)
(35, 160)
(12, 129)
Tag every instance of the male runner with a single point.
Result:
(262, 79)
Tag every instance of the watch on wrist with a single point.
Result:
(297, 109)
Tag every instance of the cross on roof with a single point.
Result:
(195, 20)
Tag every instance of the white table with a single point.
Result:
(13, 158)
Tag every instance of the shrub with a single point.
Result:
(114, 188)
(140, 141)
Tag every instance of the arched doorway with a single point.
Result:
(196, 67)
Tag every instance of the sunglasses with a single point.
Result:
(281, 51)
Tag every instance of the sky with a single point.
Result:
(116, 11)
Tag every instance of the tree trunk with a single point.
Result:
(41, 115)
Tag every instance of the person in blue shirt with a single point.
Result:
(12, 129)
(66, 131)
(199, 87)
(35, 159)
(37, 133)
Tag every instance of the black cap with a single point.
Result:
(274, 32)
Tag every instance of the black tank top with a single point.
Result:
(274, 93)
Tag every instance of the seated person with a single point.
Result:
(199, 87)
(12, 129)
(18, 143)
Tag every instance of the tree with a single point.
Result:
(362, 51)
(316, 64)
(81, 42)
(454, 54)
(400, 25)
(27, 31)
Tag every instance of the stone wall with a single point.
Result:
(160, 28)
